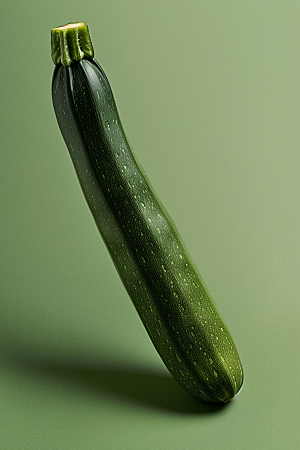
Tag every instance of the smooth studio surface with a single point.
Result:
(208, 93)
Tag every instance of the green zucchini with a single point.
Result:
(163, 284)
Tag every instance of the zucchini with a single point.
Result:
(163, 284)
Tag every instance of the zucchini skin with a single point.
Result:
(162, 282)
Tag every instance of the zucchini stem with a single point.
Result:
(71, 42)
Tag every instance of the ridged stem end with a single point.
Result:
(71, 42)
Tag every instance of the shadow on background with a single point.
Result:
(126, 384)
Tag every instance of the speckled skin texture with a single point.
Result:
(168, 293)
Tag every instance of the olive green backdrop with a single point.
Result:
(208, 92)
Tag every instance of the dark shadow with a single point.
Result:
(156, 390)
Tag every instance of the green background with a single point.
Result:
(208, 92)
